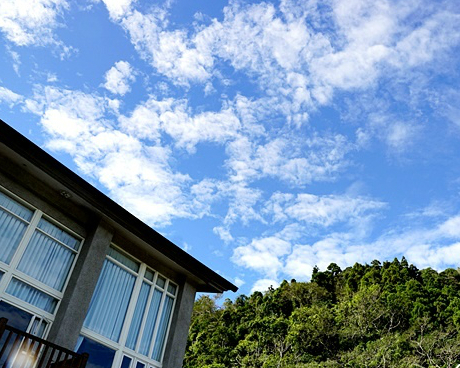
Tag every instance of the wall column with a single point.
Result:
(77, 296)
(177, 338)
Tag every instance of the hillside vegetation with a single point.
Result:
(377, 315)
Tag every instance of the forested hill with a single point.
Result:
(377, 315)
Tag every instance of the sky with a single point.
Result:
(263, 138)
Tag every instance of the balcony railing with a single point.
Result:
(20, 349)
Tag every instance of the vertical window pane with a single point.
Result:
(47, 261)
(58, 234)
(137, 317)
(126, 362)
(164, 322)
(31, 295)
(150, 323)
(110, 301)
(11, 232)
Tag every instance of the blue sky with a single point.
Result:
(263, 137)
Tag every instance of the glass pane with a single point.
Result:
(100, 356)
(47, 261)
(126, 362)
(1, 274)
(164, 322)
(150, 323)
(140, 365)
(161, 282)
(16, 317)
(123, 259)
(110, 301)
(38, 327)
(172, 288)
(137, 317)
(13, 206)
(11, 232)
(31, 295)
(149, 274)
(58, 234)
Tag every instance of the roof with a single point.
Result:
(211, 281)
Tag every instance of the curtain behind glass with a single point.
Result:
(31, 295)
(150, 323)
(137, 317)
(12, 228)
(110, 301)
(47, 261)
(164, 322)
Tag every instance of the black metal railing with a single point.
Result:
(20, 349)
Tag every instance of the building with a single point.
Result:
(82, 272)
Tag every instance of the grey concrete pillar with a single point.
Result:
(177, 339)
(77, 296)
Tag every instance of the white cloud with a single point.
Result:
(263, 285)
(296, 161)
(27, 23)
(118, 8)
(321, 210)
(137, 174)
(262, 255)
(119, 77)
(9, 97)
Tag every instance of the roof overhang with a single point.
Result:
(49, 167)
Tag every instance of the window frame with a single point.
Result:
(119, 346)
(11, 270)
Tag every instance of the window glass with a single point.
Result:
(149, 275)
(140, 365)
(150, 323)
(161, 335)
(15, 207)
(58, 234)
(126, 362)
(47, 261)
(12, 228)
(31, 295)
(161, 282)
(137, 318)
(107, 310)
(124, 259)
(172, 288)
(16, 317)
(100, 356)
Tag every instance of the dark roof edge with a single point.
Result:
(48, 164)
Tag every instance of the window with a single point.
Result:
(36, 259)
(131, 311)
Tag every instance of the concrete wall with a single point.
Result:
(74, 305)
(177, 339)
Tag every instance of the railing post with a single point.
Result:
(3, 322)
(84, 359)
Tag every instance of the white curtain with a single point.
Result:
(164, 322)
(110, 301)
(138, 315)
(47, 261)
(11, 228)
(31, 295)
(150, 323)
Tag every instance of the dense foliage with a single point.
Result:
(377, 315)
